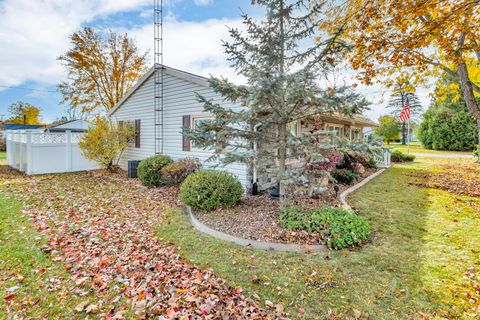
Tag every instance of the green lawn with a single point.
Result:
(3, 157)
(31, 284)
(416, 147)
(424, 242)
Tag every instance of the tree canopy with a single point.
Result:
(389, 128)
(20, 109)
(101, 69)
(412, 39)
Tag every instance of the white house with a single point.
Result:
(181, 109)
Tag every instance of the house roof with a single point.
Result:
(79, 124)
(203, 81)
(350, 120)
(14, 126)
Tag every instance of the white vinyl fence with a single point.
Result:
(36, 152)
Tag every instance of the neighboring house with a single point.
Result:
(72, 125)
(182, 109)
(13, 126)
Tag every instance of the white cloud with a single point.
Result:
(202, 2)
(34, 33)
(192, 46)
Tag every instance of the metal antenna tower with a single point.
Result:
(158, 75)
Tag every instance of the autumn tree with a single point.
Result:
(24, 112)
(414, 38)
(283, 68)
(389, 129)
(100, 69)
(105, 142)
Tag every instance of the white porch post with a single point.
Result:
(69, 151)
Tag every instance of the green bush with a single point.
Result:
(174, 173)
(344, 176)
(338, 227)
(150, 170)
(447, 129)
(206, 190)
(398, 156)
(475, 152)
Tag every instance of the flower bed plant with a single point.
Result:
(210, 189)
(176, 172)
(339, 228)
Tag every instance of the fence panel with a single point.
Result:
(45, 152)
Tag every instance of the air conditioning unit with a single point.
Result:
(132, 168)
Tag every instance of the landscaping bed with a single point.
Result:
(257, 217)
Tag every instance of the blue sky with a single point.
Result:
(34, 34)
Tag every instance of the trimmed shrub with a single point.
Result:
(398, 156)
(338, 227)
(3, 145)
(150, 170)
(344, 176)
(475, 152)
(209, 189)
(174, 173)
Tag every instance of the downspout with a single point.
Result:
(254, 169)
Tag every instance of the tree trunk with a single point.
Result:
(404, 133)
(282, 157)
(468, 95)
(478, 146)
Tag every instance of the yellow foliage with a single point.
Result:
(105, 142)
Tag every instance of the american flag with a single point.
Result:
(405, 114)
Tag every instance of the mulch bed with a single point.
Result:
(256, 217)
(102, 228)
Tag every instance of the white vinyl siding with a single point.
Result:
(179, 100)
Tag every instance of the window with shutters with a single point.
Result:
(133, 126)
(196, 122)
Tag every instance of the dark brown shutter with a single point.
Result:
(186, 141)
(120, 124)
(137, 133)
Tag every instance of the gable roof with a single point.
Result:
(194, 78)
(78, 124)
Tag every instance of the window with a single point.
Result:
(133, 126)
(196, 123)
(295, 128)
(356, 134)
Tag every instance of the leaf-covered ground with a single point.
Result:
(100, 228)
(459, 179)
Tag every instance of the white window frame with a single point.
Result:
(192, 127)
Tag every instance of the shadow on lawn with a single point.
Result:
(384, 280)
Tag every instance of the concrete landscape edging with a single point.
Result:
(275, 246)
(344, 194)
(263, 245)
